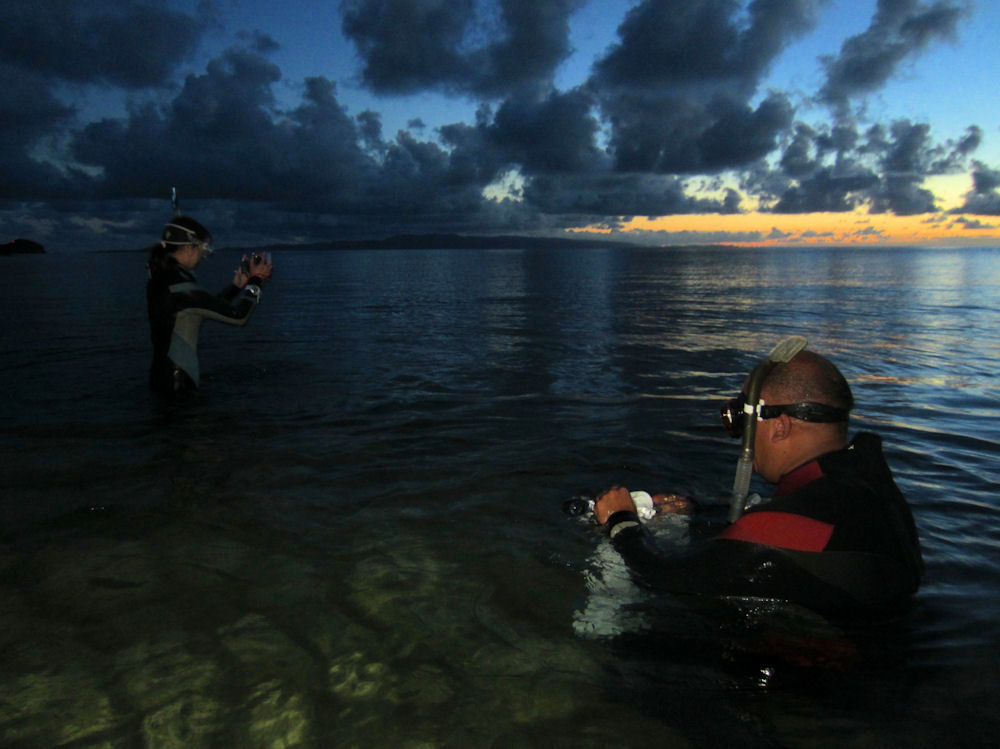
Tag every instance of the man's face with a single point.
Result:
(763, 451)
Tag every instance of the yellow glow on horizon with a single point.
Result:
(942, 228)
(857, 228)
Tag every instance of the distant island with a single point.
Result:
(21, 247)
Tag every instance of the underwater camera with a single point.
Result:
(247, 260)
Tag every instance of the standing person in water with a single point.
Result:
(837, 537)
(177, 304)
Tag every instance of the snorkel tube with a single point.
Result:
(783, 352)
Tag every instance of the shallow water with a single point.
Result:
(352, 535)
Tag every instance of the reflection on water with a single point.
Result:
(353, 536)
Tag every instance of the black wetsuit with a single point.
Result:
(177, 305)
(838, 537)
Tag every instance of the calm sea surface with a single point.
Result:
(352, 536)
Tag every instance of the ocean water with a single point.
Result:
(352, 536)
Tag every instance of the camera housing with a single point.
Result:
(245, 263)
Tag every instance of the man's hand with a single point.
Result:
(615, 499)
(673, 504)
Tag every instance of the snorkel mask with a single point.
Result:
(751, 412)
(177, 235)
(735, 410)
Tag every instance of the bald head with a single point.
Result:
(809, 377)
(785, 442)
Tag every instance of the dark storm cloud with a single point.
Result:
(827, 190)
(49, 44)
(906, 148)
(418, 179)
(201, 138)
(898, 31)
(739, 134)
(801, 156)
(614, 195)
(461, 46)
(907, 156)
(551, 142)
(554, 134)
(370, 129)
(902, 196)
(984, 198)
(29, 115)
(839, 169)
(535, 136)
(671, 43)
(985, 180)
(972, 224)
(836, 168)
(125, 43)
(868, 232)
(224, 138)
(678, 88)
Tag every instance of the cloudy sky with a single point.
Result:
(663, 121)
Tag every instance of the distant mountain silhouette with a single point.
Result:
(21, 247)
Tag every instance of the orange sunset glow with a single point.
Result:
(752, 228)
(822, 229)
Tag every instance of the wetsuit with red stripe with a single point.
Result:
(837, 537)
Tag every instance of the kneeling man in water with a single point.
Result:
(837, 537)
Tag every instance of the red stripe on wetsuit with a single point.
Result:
(781, 529)
(784, 530)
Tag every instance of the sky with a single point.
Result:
(663, 122)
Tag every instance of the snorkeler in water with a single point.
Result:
(177, 304)
(837, 537)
